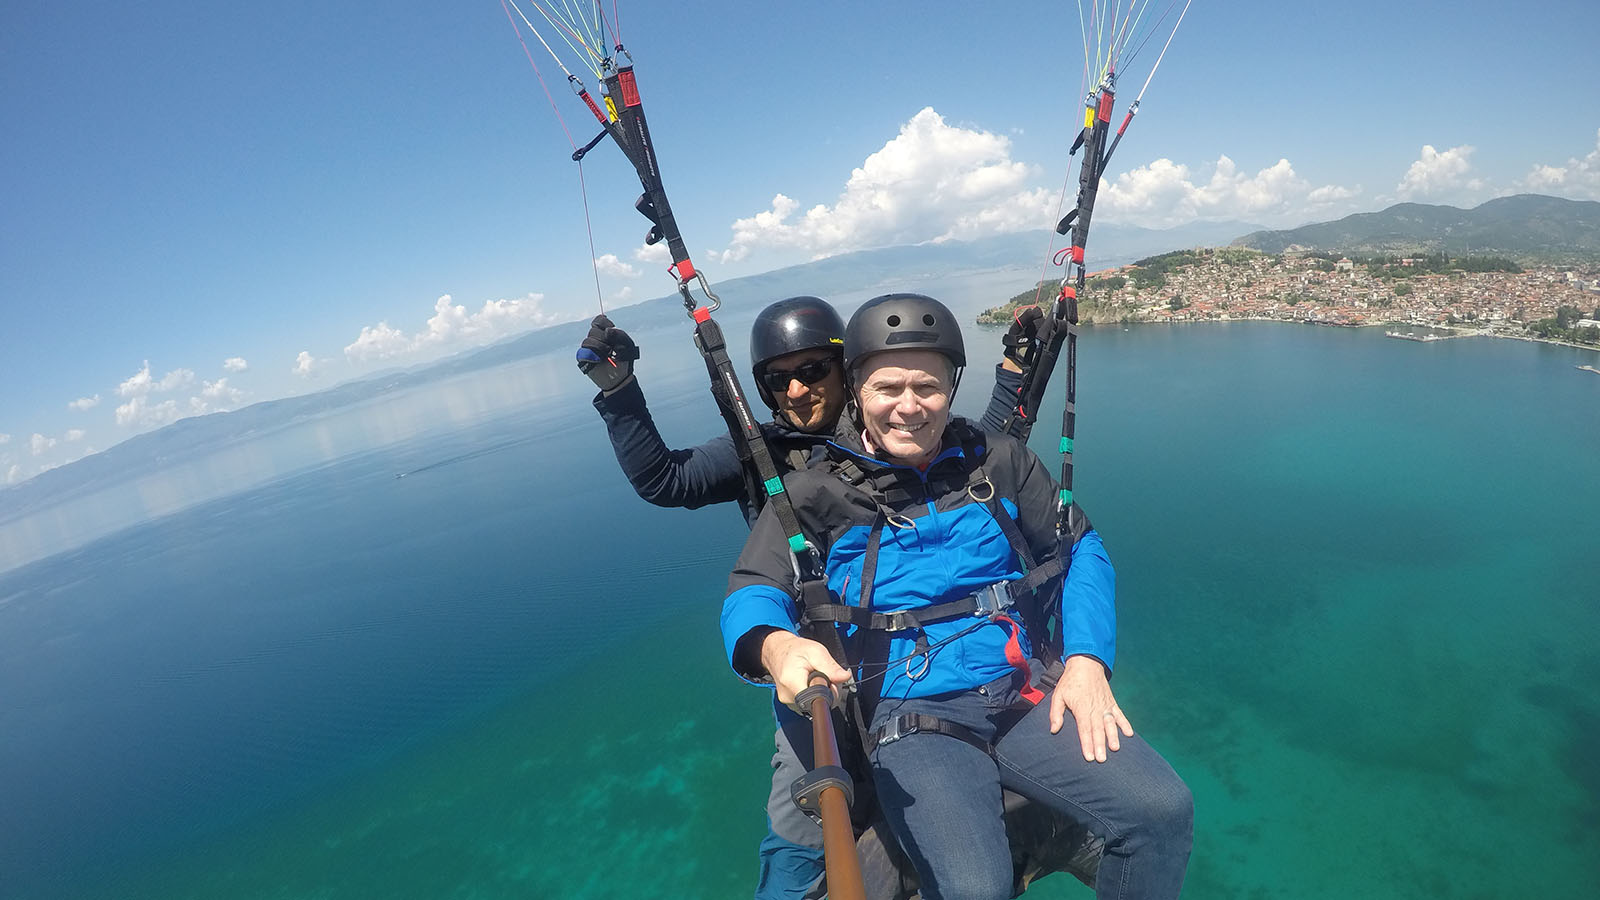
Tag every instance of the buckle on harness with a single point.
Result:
(892, 732)
(901, 621)
(992, 599)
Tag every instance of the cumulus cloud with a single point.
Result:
(177, 378)
(141, 383)
(13, 474)
(1439, 175)
(624, 295)
(140, 412)
(84, 403)
(1579, 179)
(452, 325)
(1164, 193)
(215, 396)
(74, 434)
(138, 384)
(39, 443)
(931, 182)
(305, 364)
(235, 364)
(656, 253)
(608, 264)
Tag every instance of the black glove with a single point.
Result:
(607, 355)
(1024, 332)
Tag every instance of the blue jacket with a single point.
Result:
(954, 547)
(711, 472)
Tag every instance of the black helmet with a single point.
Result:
(903, 322)
(798, 323)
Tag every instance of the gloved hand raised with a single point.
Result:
(607, 355)
(1023, 333)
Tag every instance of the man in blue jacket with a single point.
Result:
(796, 350)
(932, 534)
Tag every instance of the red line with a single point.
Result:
(528, 53)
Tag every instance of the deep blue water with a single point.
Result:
(1357, 598)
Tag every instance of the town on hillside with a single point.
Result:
(1468, 294)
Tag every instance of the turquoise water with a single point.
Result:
(1358, 594)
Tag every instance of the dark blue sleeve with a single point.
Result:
(1002, 402)
(692, 478)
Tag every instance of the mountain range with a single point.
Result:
(1526, 227)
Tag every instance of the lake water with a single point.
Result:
(1359, 600)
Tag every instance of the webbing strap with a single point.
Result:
(750, 442)
(904, 620)
(632, 134)
(907, 724)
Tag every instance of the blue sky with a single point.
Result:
(208, 205)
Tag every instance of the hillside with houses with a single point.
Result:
(1471, 294)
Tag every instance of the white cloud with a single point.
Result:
(1579, 179)
(235, 364)
(1439, 175)
(931, 182)
(305, 364)
(215, 396)
(219, 390)
(13, 475)
(175, 379)
(74, 434)
(39, 443)
(84, 403)
(5, 438)
(654, 254)
(1164, 193)
(624, 295)
(140, 383)
(452, 325)
(139, 412)
(608, 264)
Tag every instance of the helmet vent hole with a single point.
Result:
(894, 321)
(927, 320)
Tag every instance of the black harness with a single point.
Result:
(1035, 597)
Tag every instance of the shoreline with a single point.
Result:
(1455, 331)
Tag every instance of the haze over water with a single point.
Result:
(1357, 607)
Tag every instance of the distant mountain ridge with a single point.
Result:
(1526, 227)
(864, 270)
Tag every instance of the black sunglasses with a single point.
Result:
(777, 380)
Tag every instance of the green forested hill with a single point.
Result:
(1528, 227)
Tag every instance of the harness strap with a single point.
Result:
(907, 724)
(749, 440)
(904, 620)
(873, 645)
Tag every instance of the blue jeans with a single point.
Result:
(941, 797)
(791, 853)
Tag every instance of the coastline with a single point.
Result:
(1455, 331)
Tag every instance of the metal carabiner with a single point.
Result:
(927, 663)
(705, 287)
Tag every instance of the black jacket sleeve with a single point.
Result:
(1002, 402)
(691, 478)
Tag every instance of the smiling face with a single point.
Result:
(904, 397)
(812, 407)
